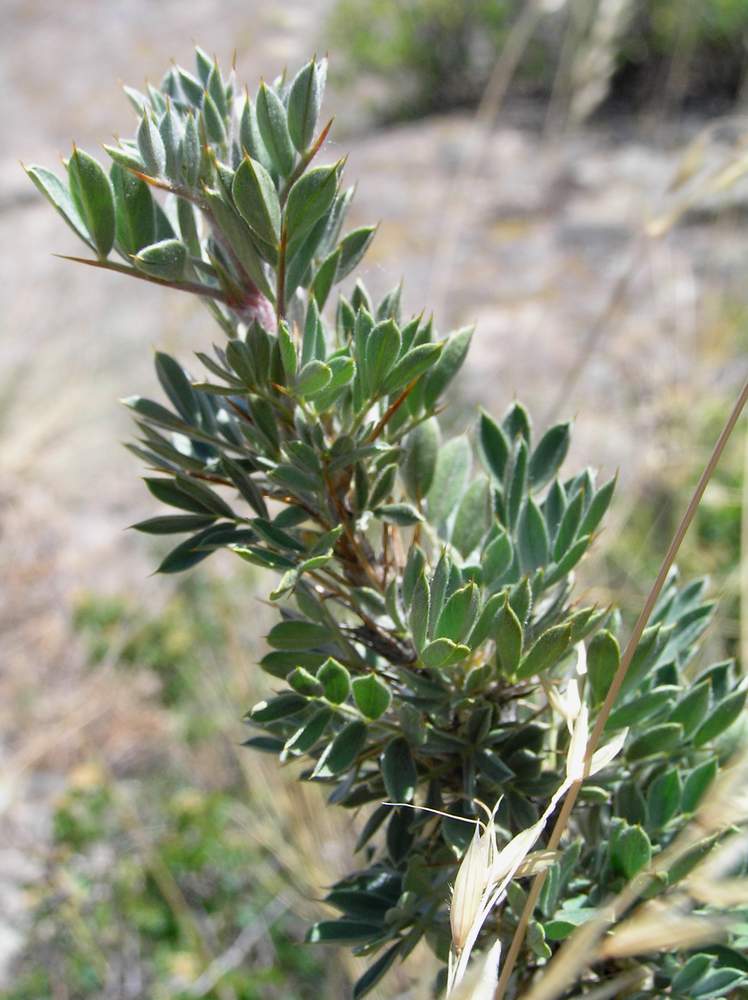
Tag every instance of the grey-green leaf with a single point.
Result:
(371, 695)
(343, 750)
(304, 103)
(273, 124)
(335, 680)
(452, 469)
(92, 194)
(165, 260)
(420, 451)
(473, 517)
(547, 650)
(546, 459)
(399, 770)
(255, 196)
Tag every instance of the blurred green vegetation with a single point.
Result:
(156, 875)
(434, 55)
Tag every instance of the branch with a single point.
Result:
(194, 287)
(615, 687)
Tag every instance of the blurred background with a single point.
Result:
(569, 176)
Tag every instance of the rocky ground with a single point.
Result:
(541, 242)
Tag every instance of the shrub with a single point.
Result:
(430, 653)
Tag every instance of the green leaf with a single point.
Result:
(170, 130)
(193, 550)
(59, 197)
(419, 611)
(304, 103)
(336, 681)
(452, 470)
(638, 709)
(135, 216)
(442, 652)
(413, 364)
(546, 460)
(656, 740)
(516, 423)
(299, 635)
(352, 248)
(420, 450)
(271, 118)
(459, 614)
(645, 657)
(169, 493)
(691, 973)
(280, 707)
(631, 851)
(517, 484)
(215, 128)
(324, 279)
(92, 195)
(663, 798)
(177, 387)
(287, 350)
(169, 524)
(309, 199)
(402, 514)
(371, 695)
(545, 652)
(248, 247)
(313, 378)
(497, 557)
(494, 447)
(399, 770)
(532, 537)
(568, 528)
(166, 260)
(597, 508)
(692, 708)
(305, 683)
(382, 487)
(508, 635)
(151, 146)
(249, 134)
(190, 152)
(603, 657)
(473, 517)
(343, 931)
(343, 750)
(720, 719)
(717, 983)
(305, 737)
(452, 357)
(382, 349)
(567, 920)
(255, 196)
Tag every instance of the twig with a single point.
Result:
(615, 687)
(392, 410)
(195, 287)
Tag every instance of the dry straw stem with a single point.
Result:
(569, 801)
